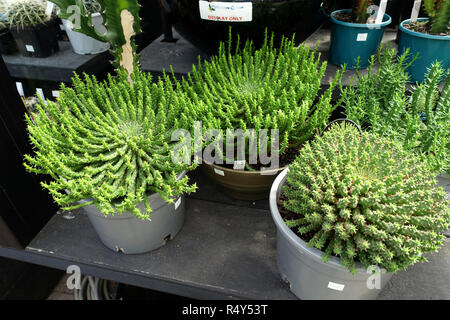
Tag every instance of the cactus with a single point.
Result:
(92, 6)
(111, 142)
(23, 14)
(267, 88)
(365, 199)
(121, 19)
(439, 13)
(359, 11)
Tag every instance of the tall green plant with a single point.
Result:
(110, 142)
(265, 88)
(121, 19)
(439, 13)
(359, 11)
(419, 118)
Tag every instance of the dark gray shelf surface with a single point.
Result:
(58, 67)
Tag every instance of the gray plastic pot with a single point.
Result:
(128, 234)
(305, 272)
(83, 44)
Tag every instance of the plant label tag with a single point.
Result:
(55, 93)
(219, 172)
(415, 10)
(29, 48)
(49, 9)
(40, 94)
(19, 87)
(226, 11)
(381, 11)
(361, 37)
(239, 165)
(177, 203)
(336, 286)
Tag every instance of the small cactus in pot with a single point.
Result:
(24, 14)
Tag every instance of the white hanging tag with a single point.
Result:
(361, 37)
(177, 203)
(226, 11)
(239, 165)
(19, 87)
(49, 10)
(381, 11)
(336, 286)
(29, 48)
(416, 10)
(55, 93)
(40, 93)
(219, 172)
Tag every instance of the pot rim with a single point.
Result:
(420, 34)
(360, 25)
(259, 173)
(296, 241)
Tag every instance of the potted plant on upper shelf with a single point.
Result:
(33, 29)
(356, 32)
(81, 43)
(107, 145)
(269, 99)
(429, 38)
(353, 209)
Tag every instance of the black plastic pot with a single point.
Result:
(7, 44)
(283, 17)
(40, 41)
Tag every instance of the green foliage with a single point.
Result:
(26, 14)
(265, 88)
(360, 10)
(92, 6)
(112, 11)
(439, 13)
(419, 118)
(111, 142)
(365, 199)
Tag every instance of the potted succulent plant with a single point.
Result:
(351, 211)
(355, 33)
(81, 43)
(269, 98)
(33, 29)
(418, 117)
(108, 145)
(429, 38)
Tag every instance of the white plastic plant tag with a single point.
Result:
(381, 11)
(55, 93)
(29, 48)
(336, 286)
(19, 87)
(49, 9)
(226, 11)
(40, 93)
(239, 165)
(177, 203)
(361, 37)
(219, 172)
(415, 10)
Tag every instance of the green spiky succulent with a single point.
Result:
(92, 6)
(27, 14)
(418, 117)
(439, 13)
(365, 199)
(111, 142)
(265, 88)
(121, 19)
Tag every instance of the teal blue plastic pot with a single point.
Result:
(431, 48)
(352, 40)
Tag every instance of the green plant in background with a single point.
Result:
(23, 14)
(439, 13)
(265, 88)
(111, 142)
(365, 199)
(419, 118)
(121, 19)
(359, 11)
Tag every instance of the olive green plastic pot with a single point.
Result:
(239, 184)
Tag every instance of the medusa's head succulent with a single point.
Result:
(111, 142)
(27, 13)
(365, 199)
